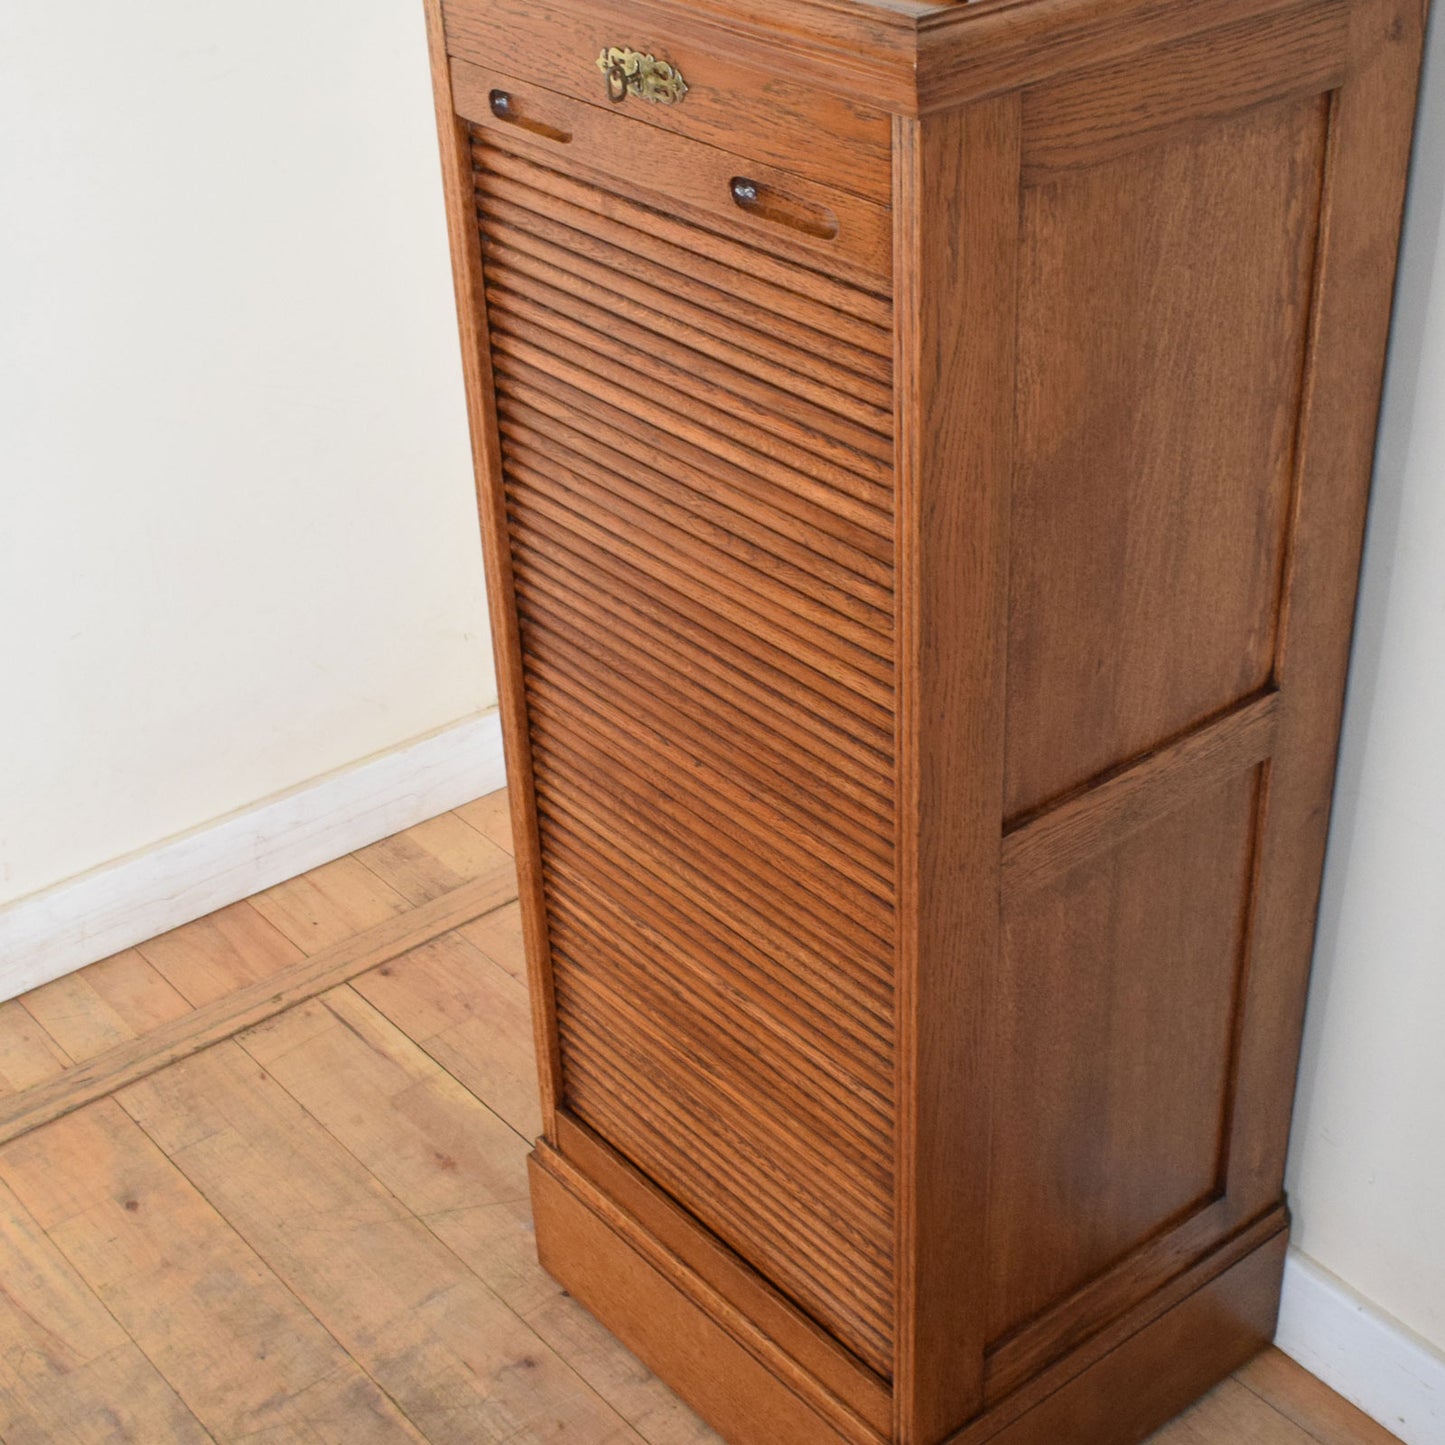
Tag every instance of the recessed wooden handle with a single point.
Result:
(771, 204)
(504, 106)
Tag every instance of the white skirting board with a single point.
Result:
(1374, 1361)
(121, 904)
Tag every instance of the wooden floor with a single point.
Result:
(262, 1179)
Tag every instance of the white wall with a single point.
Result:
(238, 547)
(1367, 1171)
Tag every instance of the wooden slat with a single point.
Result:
(687, 716)
(780, 1329)
(724, 942)
(199, 1029)
(850, 699)
(834, 1273)
(849, 880)
(767, 558)
(753, 354)
(697, 373)
(862, 316)
(832, 1076)
(637, 624)
(741, 1084)
(742, 504)
(1103, 815)
(752, 1066)
(619, 383)
(706, 574)
(835, 311)
(568, 242)
(855, 533)
(748, 885)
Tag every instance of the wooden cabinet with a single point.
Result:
(923, 451)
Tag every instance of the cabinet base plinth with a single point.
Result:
(1116, 1398)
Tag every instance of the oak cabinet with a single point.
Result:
(923, 451)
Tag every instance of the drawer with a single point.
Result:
(761, 206)
(730, 103)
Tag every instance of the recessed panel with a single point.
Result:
(1164, 300)
(1115, 1010)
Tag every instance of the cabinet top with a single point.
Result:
(910, 56)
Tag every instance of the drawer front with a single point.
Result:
(734, 105)
(697, 460)
(759, 205)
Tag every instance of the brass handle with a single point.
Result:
(630, 72)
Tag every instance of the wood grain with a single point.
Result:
(193, 1031)
(70, 1372)
(456, 1361)
(818, 224)
(245, 1358)
(1116, 1002)
(1187, 86)
(1148, 539)
(600, 727)
(211, 957)
(956, 204)
(824, 135)
(1298, 1396)
(470, 1015)
(1095, 821)
(921, 634)
(201, 1333)
(708, 1367)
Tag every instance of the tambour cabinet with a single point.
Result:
(923, 451)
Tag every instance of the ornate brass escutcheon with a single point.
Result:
(629, 72)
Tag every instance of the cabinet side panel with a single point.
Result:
(1116, 1011)
(1163, 307)
(696, 453)
(1204, 306)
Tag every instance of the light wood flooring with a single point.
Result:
(262, 1179)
